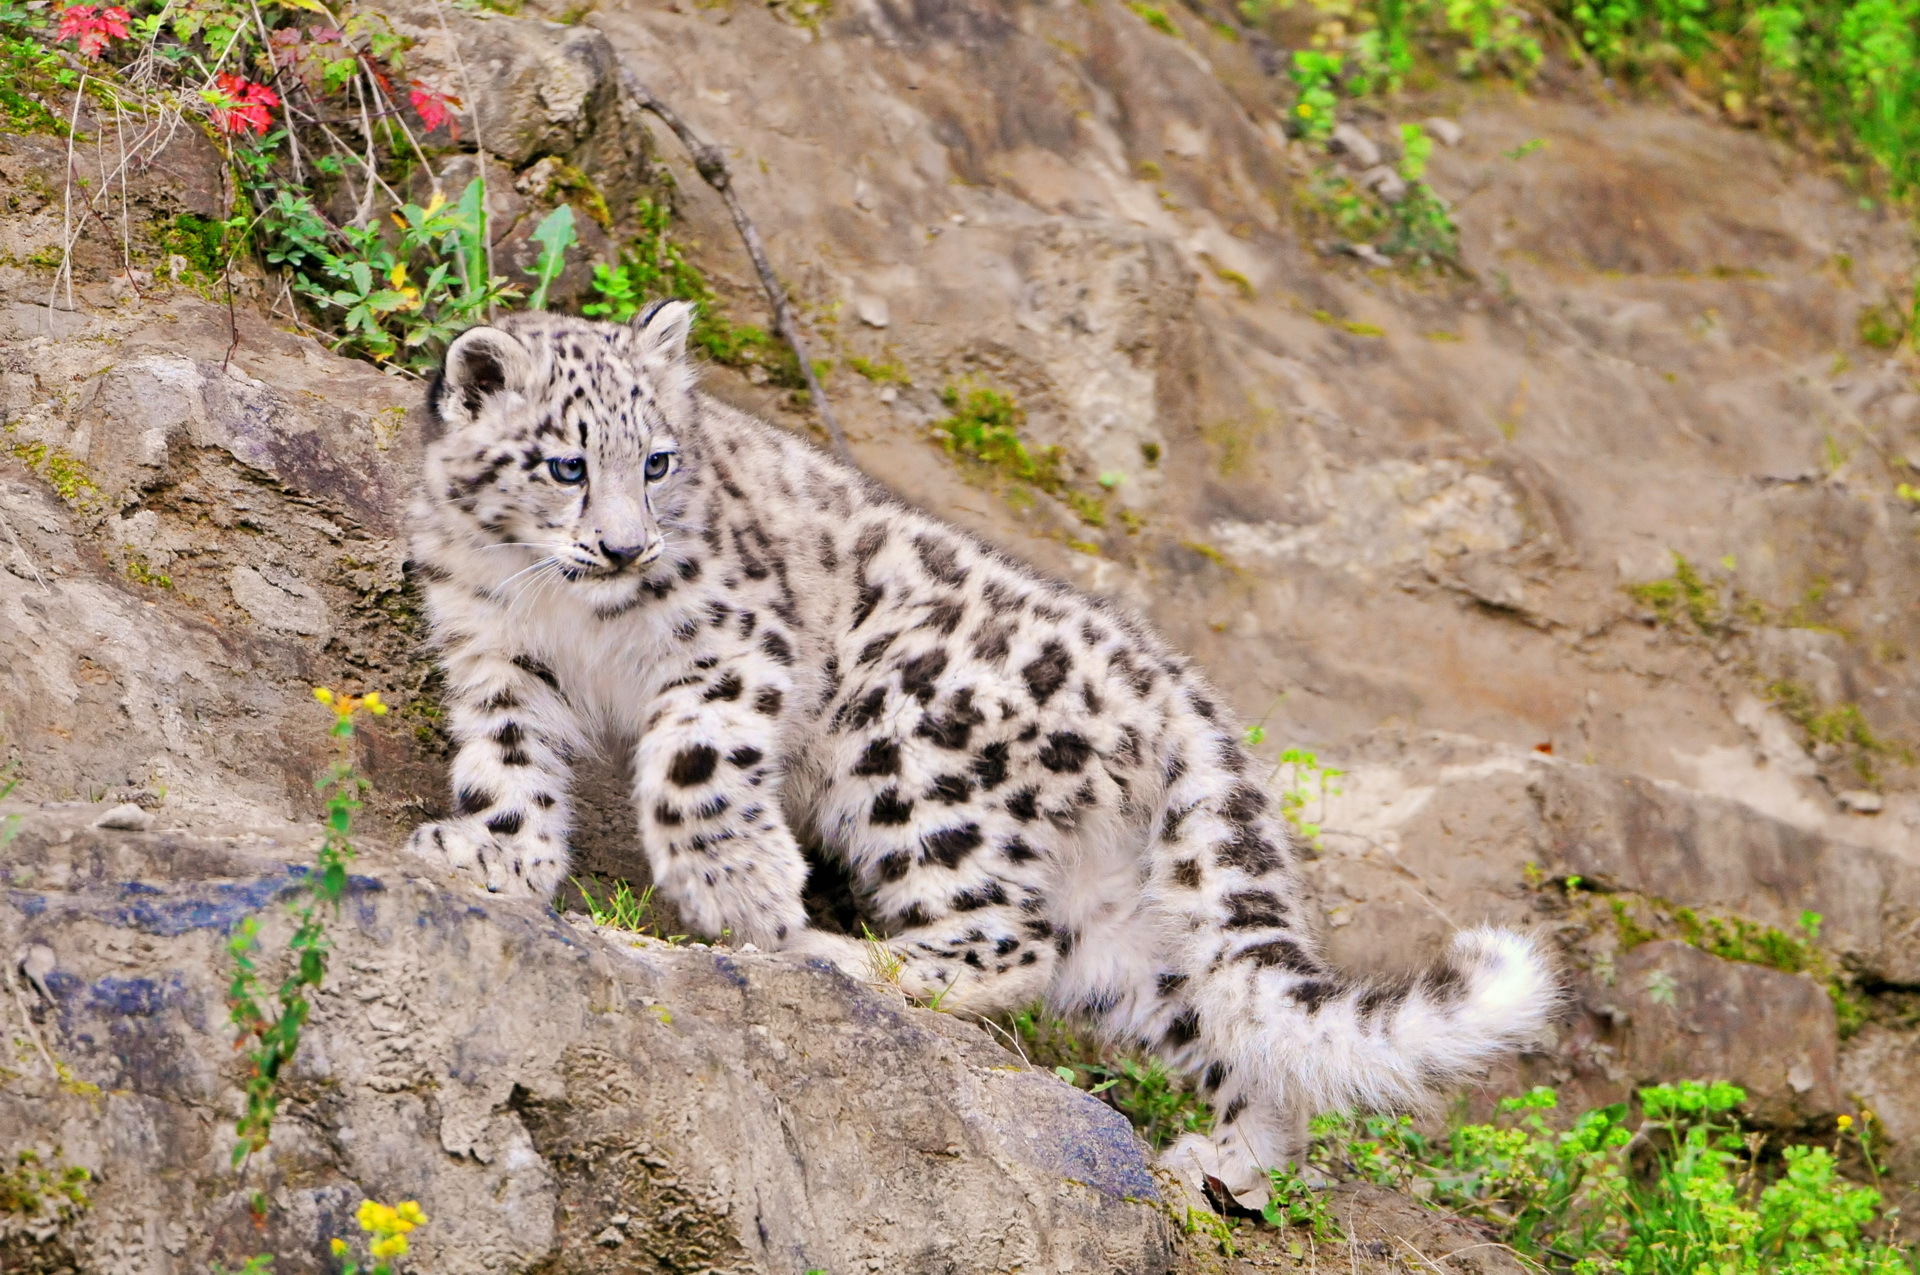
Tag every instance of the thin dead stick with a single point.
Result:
(67, 233)
(712, 165)
(479, 145)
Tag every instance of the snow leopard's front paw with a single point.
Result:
(1229, 1162)
(469, 849)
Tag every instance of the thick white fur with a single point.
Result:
(1033, 796)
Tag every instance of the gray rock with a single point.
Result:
(1348, 140)
(1690, 1014)
(549, 1092)
(1443, 130)
(278, 599)
(1384, 182)
(1861, 801)
(126, 817)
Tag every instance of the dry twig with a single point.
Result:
(712, 165)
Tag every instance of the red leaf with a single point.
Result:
(244, 107)
(91, 27)
(431, 104)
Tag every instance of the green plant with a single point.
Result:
(1681, 597)
(985, 429)
(1698, 1200)
(555, 234)
(1843, 728)
(43, 1192)
(64, 473)
(879, 373)
(399, 295)
(1315, 74)
(1307, 780)
(387, 1228)
(1291, 1202)
(1142, 1089)
(270, 1041)
(9, 824)
(622, 909)
(654, 264)
(1495, 36)
(1154, 17)
(1639, 920)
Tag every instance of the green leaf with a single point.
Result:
(555, 234)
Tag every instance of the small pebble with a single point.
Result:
(125, 817)
(1445, 131)
(1862, 802)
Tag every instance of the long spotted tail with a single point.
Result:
(1308, 1044)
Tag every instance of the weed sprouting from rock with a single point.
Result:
(270, 1041)
(985, 430)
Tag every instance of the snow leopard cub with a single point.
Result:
(1033, 796)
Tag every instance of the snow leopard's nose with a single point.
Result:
(622, 555)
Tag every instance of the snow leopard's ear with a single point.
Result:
(481, 361)
(662, 329)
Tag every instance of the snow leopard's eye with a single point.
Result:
(657, 466)
(568, 469)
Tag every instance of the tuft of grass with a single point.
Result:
(140, 573)
(1682, 597)
(622, 909)
(1842, 727)
(879, 373)
(985, 429)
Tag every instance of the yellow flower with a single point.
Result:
(410, 1209)
(339, 1247)
(1304, 110)
(388, 1246)
(375, 705)
(1846, 1122)
(322, 694)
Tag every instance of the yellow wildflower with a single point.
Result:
(1846, 1122)
(339, 1247)
(322, 694)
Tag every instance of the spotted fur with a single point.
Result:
(1032, 796)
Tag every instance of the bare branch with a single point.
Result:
(712, 165)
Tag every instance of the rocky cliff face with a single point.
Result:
(1424, 523)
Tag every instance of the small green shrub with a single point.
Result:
(1698, 1199)
(654, 264)
(400, 297)
(270, 1040)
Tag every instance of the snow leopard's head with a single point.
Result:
(564, 442)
